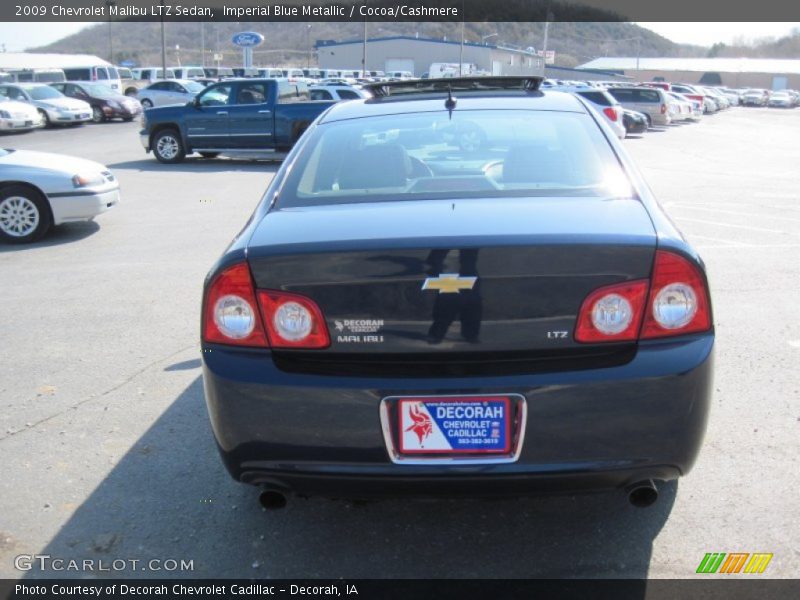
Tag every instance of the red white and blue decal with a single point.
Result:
(454, 425)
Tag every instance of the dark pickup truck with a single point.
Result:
(250, 116)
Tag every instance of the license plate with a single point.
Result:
(472, 425)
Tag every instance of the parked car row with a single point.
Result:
(714, 98)
(632, 110)
(27, 106)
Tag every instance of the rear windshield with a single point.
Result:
(636, 95)
(482, 153)
(599, 97)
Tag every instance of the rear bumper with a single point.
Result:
(584, 430)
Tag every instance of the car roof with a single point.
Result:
(396, 105)
(170, 79)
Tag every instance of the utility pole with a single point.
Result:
(638, 53)
(202, 43)
(163, 43)
(109, 4)
(547, 18)
(461, 48)
(308, 46)
(364, 56)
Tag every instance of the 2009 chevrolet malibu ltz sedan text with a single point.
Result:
(404, 315)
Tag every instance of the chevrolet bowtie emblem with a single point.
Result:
(449, 283)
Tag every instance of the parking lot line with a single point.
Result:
(713, 239)
(735, 212)
(747, 227)
(751, 204)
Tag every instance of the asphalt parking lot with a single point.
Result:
(107, 452)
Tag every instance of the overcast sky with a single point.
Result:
(706, 34)
(18, 36)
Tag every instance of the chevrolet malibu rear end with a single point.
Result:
(407, 314)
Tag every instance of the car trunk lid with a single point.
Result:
(438, 276)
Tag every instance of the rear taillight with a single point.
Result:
(663, 109)
(612, 313)
(231, 312)
(238, 315)
(293, 321)
(674, 302)
(611, 113)
(678, 302)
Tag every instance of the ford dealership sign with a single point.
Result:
(247, 39)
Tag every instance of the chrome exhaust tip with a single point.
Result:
(643, 494)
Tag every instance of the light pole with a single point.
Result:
(486, 37)
(109, 4)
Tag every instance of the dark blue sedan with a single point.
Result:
(458, 287)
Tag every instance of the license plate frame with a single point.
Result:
(515, 422)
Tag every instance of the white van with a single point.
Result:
(37, 75)
(400, 75)
(151, 73)
(270, 73)
(189, 72)
(293, 75)
(105, 74)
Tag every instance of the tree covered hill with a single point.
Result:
(292, 43)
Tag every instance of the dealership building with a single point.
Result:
(416, 54)
(770, 73)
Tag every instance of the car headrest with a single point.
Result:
(376, 166)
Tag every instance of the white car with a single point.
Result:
(18, 116)
(680, 109)
(696, 105)
(55, 107)
(39, 190)
(169, 91)
(337, 92)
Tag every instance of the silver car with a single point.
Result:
(39, 190)
(169, 91)
(652, 102)
(604, 103)
(55, 107)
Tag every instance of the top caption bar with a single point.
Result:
(399, 10)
